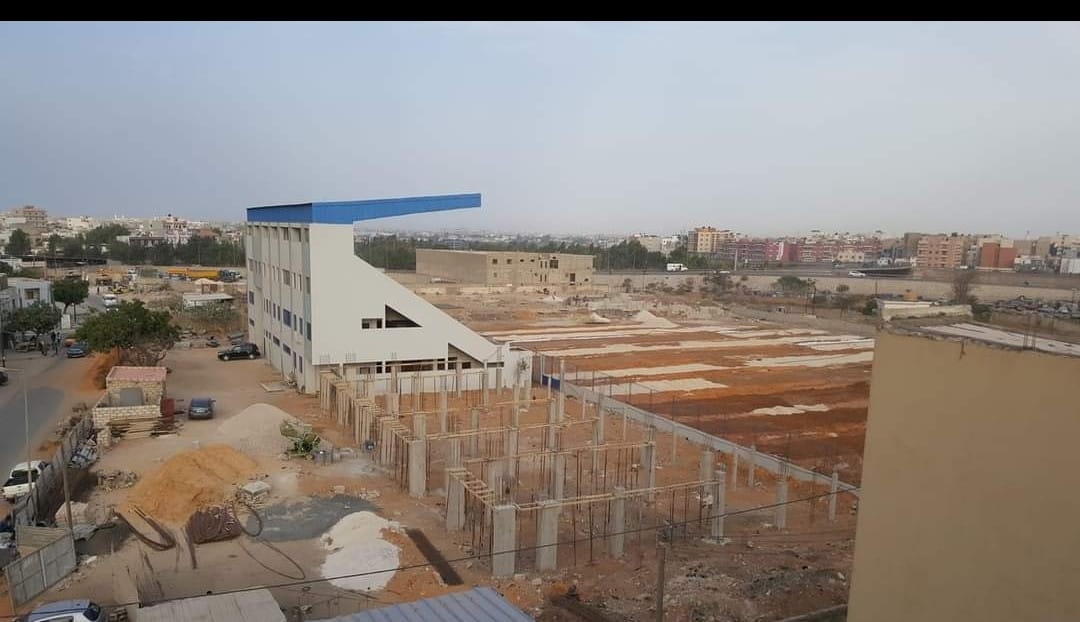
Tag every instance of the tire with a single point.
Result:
(225, 358)
(251, 356)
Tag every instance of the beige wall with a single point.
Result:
(503, 268)
(970, 502)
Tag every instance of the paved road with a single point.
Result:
(50, 392)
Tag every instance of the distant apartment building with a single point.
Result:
(995, 254)
(853, 249)
(943, 251)
(707, 240)
(652, 243)
(174, 230)
(968, 507)
(502, 268)
(31, 220)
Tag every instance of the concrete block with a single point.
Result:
(504, 540)
(547, 537)
(417, 468)
(455, 504)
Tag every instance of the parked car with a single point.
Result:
(76, 350)
(20, 477)
(856, 273)
(3, 378)
(68, 611)
(239, 351)
(201, 408)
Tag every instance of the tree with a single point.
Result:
(40, 317)
(70, 292)
(842, 289)
(73, 247)
(105, 234)
(718, 282)
(53, 244)
(142, 336)
(627, 285)
(791, 285)
(18, 244)
(961, 286)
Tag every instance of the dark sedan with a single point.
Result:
(201, 408)
(239, 351)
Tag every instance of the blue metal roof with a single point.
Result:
(348, 212)
(481, 604)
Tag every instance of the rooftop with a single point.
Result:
(481, 604)
(137, 374)
(997, 336)
(348, 212)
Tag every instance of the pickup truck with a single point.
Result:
(18, 484)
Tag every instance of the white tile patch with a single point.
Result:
(824, 360)
(617, 348)
(797, 409)
(660, 370)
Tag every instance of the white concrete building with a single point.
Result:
(313, 304)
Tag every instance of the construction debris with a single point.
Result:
(112, 480)
(213, 524)
(254, 493)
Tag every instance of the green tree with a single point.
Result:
(842, 289)
(70, 292)
(143, 337)
(718, 283)
(105, 234)
(40, 317)
(73, 247)
(53, 244)
(19, 243)
(627, 285)
(791, 285)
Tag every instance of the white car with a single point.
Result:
(856, 273)
(67, 611)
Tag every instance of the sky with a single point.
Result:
(764, 128)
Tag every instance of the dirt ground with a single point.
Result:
(758, 572)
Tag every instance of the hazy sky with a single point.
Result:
(564, 127)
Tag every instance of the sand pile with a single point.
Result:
(646, 318)
(191, 480)
(357, 546)
(256, 430)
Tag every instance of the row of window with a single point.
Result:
(553, 263)
(298, 361)
(286, 317)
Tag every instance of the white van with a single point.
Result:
(110, 300)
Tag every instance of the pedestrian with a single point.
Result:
(44, 350)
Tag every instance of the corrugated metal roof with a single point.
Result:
(481, 604)
(348, 212)
(252, 606)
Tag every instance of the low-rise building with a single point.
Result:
(506, 268)
(29, 291)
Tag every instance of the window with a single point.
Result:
(494, 261)
(286, 317)
(285, 234)
(307, 284)
(394, 319)
(251, 321)
(309, 331)
(286, 348)
(554, 263)
(371, 322)
(301, 359)
(251, 298)
(298, 325)
(508, 260)
(277, 342)
(286, 277)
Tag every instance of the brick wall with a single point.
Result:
(104, 414)
(152, 391)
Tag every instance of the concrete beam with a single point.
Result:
(558, 476)
(504, 540)
(512, 437)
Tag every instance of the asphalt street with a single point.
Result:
(49, 394)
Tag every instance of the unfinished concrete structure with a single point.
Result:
(969, 509)
(313, 305)
(554, 271)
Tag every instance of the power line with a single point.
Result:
(290, 584)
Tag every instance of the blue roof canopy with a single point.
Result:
(348, 212)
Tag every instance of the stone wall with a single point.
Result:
(103, 415)
(152, 391)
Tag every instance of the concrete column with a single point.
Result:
(558, 476)
(601, 416)
(493, 477)
(395, 384)
(550, 430)
(624, 425)
(780, 511)
(504, 540)
(474, 424)
(511, 450)
(419, 426)
(648, 463)
(833, 488)
(516, 395)
(719, 505)
(386, 442)
(417, 468)
(618, 523)
(735, 469)
(455, 504)
(545, 369)
(547, 537)
(457, 375)
(515, 416)
(752, 466)
(395, 403)
(562, 391)
(597, 441)
(453, 460)
(706, 465)
(443, 408)
(485, 391)
(499, 380)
